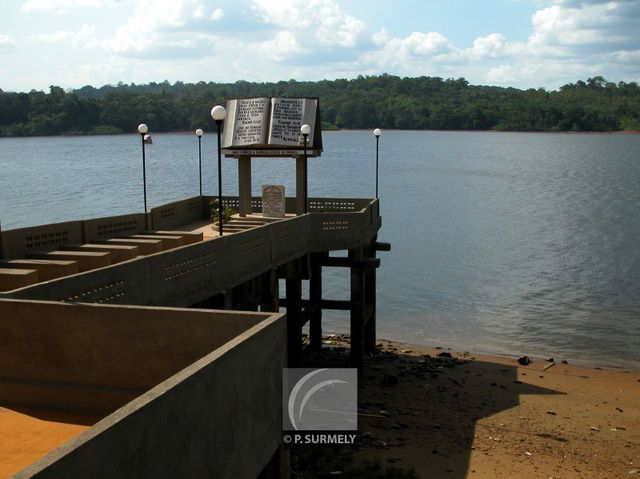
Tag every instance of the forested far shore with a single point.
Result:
(385, 101)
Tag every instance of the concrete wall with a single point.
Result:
(192, 273)
(187, 275)
(17, 243)
(247, 255)
(123, 283)
(289, 239)
(219, 417)
(178, 213)
(94, 358)
(104, 228)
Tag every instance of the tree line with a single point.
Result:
(383, 101)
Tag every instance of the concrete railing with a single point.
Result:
(316, 205)
(185, 275)
(17, 243)
(102, 228)
(198, 391)
(178, 213)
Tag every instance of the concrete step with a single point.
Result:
(14, 278)
(47, 269)
(145, 246)
(235, 229)
(187, 236)
(87, 260)
(168, 242)
(119, 252)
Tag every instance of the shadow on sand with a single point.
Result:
(418, 415)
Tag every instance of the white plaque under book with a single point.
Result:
(273, 201)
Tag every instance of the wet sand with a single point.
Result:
(433, 413)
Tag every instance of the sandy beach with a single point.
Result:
(432, 413)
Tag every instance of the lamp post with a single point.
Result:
(218, 113)
(377, 132)
(143, 129)
(199, 134)
(305, 130)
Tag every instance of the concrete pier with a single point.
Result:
(138, 275)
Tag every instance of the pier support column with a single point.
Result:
(370, 302)
(244, 185)
(1, 245)
(315, 301)
(248, 295)
(294, 320)
(357, 316)
(301, 179)
(270, 292)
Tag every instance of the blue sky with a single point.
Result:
(520, 43)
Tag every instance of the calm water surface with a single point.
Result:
(502, 242)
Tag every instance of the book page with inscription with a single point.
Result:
(250, 116)
(287, 116)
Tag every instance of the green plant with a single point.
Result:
(227, 212)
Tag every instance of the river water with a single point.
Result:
(513, 243)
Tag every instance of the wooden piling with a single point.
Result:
(301, 178)
(370, 303)
(315, 301)
(270, 301)
(294, 315)
(357, 318)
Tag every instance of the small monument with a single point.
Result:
(273, 201)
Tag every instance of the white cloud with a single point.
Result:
(217, 14)
(82, 38)
(628, 56)
(280, 47)
(574, 38)
(7, 44)
(553, 73)
(381, 37)
(156, 29)
(502, 74)
(59, 5)
(313, 23)
(419, 52)
(569, 39)
(431, 43)
(266, 40)
(198, 12)
(493, 45)
(581, 24)
(57, 37)
(172, 26)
